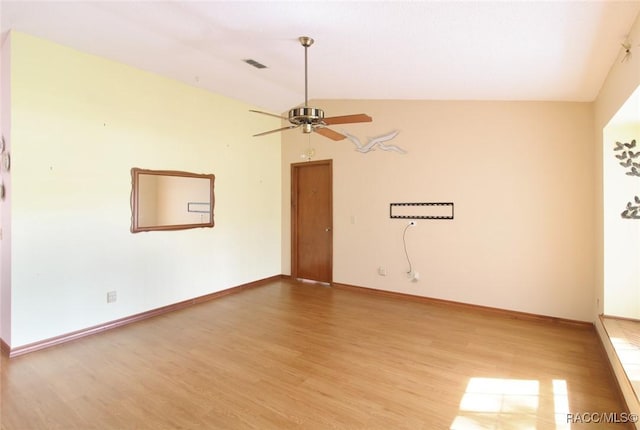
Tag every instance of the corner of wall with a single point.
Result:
(5, 203)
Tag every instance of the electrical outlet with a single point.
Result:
(112, 296)
(382, 271)
(413, 276)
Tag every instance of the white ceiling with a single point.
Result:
(453, 50)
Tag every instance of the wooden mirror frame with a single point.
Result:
(135, 199)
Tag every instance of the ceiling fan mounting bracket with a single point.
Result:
(305, 41)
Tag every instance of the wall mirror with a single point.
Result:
(170, 200)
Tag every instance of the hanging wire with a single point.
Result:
(310, 151)
(404, 242)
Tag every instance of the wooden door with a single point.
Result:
(312, 221)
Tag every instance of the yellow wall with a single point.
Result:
(520, 175)
(79, 124)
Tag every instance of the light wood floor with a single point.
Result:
(290, 355)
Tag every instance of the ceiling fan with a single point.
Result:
(312, 119)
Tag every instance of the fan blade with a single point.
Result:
(327, 132)
(347, 119)
(276, 130)
(267, 113)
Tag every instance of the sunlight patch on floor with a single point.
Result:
(561, 403)
(628, 351)
(499, 403)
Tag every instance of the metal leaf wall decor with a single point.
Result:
(633, 210)
(628, 155)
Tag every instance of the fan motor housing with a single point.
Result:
(306, 115)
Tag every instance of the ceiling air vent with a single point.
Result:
(255, 64)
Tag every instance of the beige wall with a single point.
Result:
(79, 124)
(521, 176)
(147, 200)
(173, 199)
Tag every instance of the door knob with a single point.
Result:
(327, 229)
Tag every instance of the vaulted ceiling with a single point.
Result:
(451, 50)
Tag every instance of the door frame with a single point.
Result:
(294, 218)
